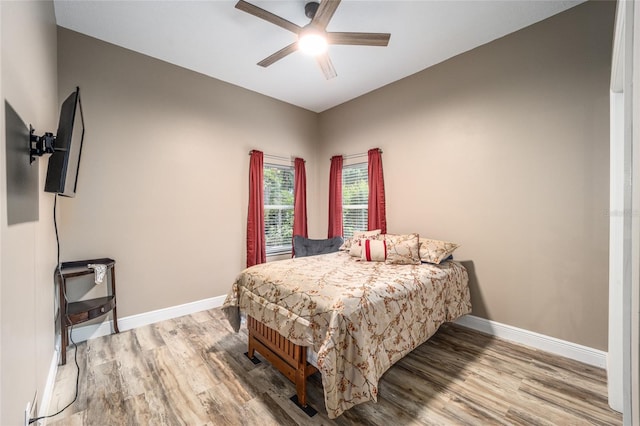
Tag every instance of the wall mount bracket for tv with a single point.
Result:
(40, 145)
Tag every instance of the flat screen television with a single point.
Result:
(64, 163)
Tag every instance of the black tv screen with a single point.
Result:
(64, 163)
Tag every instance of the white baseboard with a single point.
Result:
(80, 334)
(538, 341)
(47, 393)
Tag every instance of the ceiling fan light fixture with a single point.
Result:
(312, 43)
(313, 39)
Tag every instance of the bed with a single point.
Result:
(356, 318)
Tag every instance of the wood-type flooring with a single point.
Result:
(191, 371)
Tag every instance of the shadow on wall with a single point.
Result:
(479, 308)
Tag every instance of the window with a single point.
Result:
(278, 208)
(355, 198)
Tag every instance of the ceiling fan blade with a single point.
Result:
(362, 39)
(279, 55)
(327, 67)
(324, 13)
(267, 16)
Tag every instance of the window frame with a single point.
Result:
(364, 165)
(281, 249)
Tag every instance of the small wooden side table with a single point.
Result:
(76, 312)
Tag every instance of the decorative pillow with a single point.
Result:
(434, 251)
(354, 246)
(374, 250)
(403, 249)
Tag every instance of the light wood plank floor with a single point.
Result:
(192, 371)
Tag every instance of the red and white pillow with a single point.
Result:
(374, 250)
(355, 242)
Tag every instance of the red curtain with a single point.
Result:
(300, 200)
(335, 197)
(377, 210)
(256, 245)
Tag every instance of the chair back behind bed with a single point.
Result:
(308, 247)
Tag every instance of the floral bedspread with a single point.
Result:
(359, 317)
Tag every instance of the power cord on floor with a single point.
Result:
(70, 331)
(75, 359)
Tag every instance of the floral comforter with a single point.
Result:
(359, 317)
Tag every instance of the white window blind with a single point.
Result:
(278, 208)
(355, 198)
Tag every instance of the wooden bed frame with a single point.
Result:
(290, 359)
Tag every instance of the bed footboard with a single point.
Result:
(290, 359)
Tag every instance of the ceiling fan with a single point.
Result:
(314, 35)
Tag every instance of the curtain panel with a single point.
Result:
(299, 201)
(256, 244)
(335, 197)
(377, 217)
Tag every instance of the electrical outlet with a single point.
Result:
(27, 414)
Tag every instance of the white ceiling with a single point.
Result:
(215, 39)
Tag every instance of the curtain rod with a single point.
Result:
(278, 157)
(361, 154)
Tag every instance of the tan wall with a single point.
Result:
(29, 84)
(505, 150)
(164, 175)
